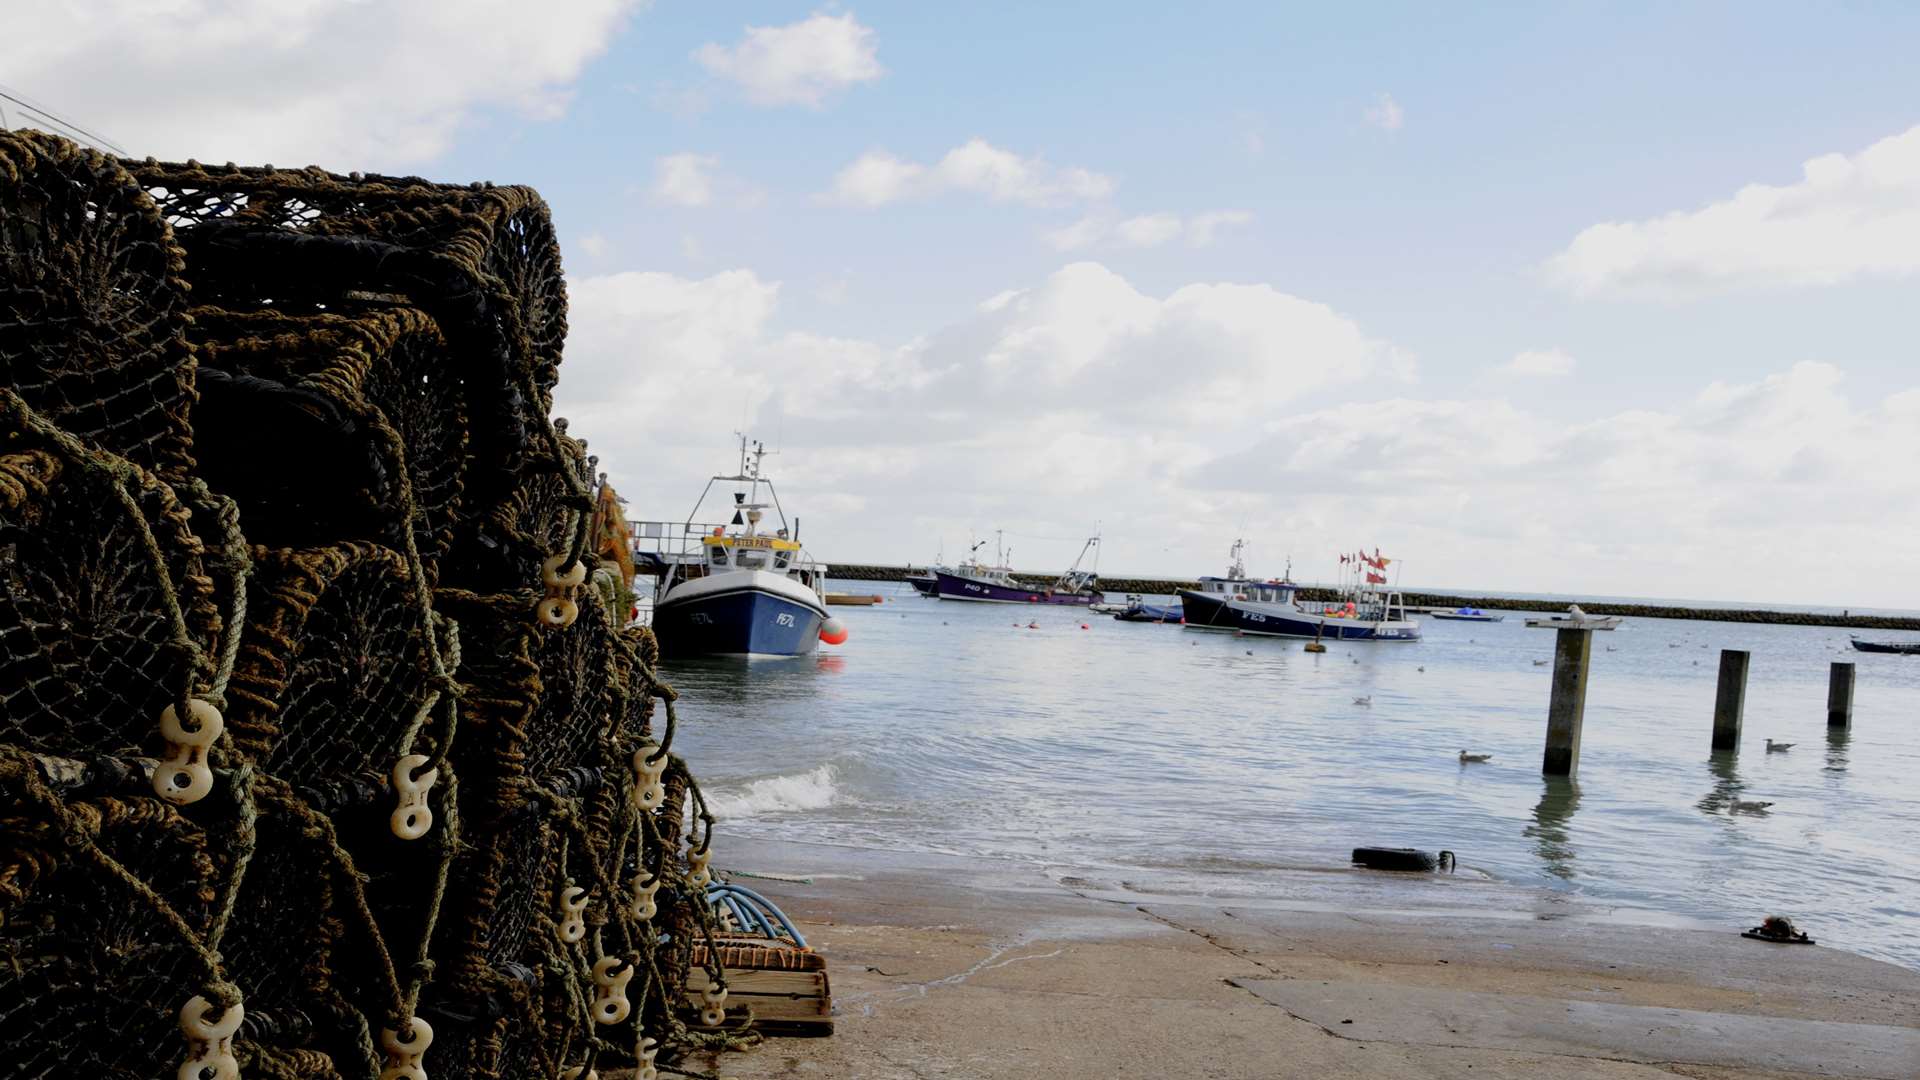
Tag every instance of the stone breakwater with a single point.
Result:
(1115, 586)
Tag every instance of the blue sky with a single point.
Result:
(1492, 288)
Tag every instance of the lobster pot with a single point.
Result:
(333, 664)
(637, 657)
(89, 652)
(482, 260)
(92, 975)
(334, 427)
(331, 675)
(502, 542)
(92, 302)
(292, 931)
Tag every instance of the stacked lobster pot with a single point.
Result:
(322, 753)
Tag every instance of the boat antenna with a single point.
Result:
(28, 114)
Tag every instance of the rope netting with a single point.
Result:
(481, 260)
(312, 421)
(328, 755)
(92, 302)
(109, 612)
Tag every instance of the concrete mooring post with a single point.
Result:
(1840, 694)
(1568, 707)
(1731, 699)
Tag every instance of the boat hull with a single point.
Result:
(744, 619)
(1219, 614)
(1896, 648)
(955, 587)
(926, 586)
(1455, 617)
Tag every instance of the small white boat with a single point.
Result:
(1575, 619)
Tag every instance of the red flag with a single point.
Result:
(1376, 579)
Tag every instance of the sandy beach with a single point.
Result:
(954, 967)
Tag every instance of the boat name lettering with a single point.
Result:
(700, 618)
(783, 619)
(1255, 618)
(753, 542)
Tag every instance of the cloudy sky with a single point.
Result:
(1610, 300)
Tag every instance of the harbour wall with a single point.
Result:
(1449, 601)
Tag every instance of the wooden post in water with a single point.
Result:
(1730, 701)
(1840, 695)
(1568, 707)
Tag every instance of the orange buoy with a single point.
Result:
(1083, 626)
(833, 632)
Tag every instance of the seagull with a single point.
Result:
(1469, 759)
(1779, 747)
(1739, 805)
(1612, 649)
(1368, 700)
(1539, 663)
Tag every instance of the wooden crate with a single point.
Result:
(787, 987)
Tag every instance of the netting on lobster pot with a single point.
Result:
(332, 670)
(293, 916)
(482, 260)
(107, 613)
(106, 900)
(333, 426)
(503, 542)
(92, 302)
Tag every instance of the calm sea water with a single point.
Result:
(943, 726)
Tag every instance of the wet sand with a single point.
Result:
(952, 967)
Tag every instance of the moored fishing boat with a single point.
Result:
(1365, 610)
(1898, 648)
(1466, 614)
(970, 581)
(739, 591)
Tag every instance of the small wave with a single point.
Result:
(814, 789)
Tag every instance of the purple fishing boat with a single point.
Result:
(996, 584)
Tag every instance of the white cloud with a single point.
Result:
(801, 63)
(1144, 231)
(347, 85)
(1170, 417)
(1202, 229)
(1150, 230)
(684, 179)
(877, 178)
(1540, 362)
(1848, 217)
(932, 426)
(695, 181)
(1743, 493)
(1385, 113)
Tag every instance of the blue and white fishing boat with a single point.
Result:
(739, 590)
(1365, 610)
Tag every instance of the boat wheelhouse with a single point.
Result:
(736, 589)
